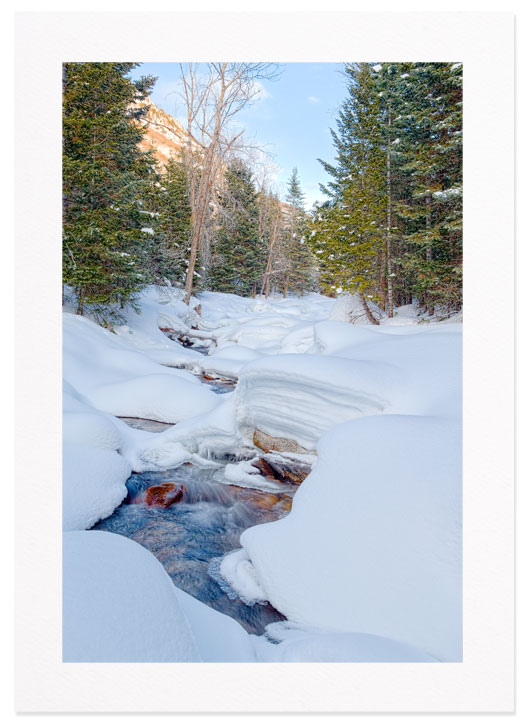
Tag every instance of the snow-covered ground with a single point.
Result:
(367, 565)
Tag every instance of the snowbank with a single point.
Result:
(94, 472)
(384, 501)
(119, 604)
(301, 396)
(122, 381)
(297, 644)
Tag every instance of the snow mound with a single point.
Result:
(296, 644)
(227, 360)
(93, 470)
(155, 397)
(384, 501)
(300, 396)
(348, 308)
(119, 605)
(122, 381)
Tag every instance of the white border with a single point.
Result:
(484, 681)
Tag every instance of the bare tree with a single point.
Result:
(213, 93)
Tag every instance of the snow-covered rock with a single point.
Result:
(373, 541)
(119, 605)
(93, 470)
(122, 381)
(302, 396)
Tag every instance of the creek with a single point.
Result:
(191, 536)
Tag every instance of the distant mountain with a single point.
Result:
(164, 134)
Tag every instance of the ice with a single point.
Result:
(300, 396)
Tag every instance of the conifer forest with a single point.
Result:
(389, 228)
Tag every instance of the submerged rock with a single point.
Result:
(165, 494)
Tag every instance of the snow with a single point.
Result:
(367, 565)
(301, 396)
(348, 308)
(386, 555)
(119, 605)
(122, 381)
(298, 644)
(93, 471)
(113, 587)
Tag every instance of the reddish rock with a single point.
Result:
(268, 443)
(266, 469)
(164, 494)
(282, 472)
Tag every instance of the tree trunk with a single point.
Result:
(367, 309)
(80, 305)
(428, 251)
(382, 276)
(389, 291)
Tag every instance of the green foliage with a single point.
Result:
(238, 251)
(170, 210)
(396, 186)
(300, 263)
(349, 231)
(105, 179)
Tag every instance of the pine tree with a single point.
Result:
(299, 273)
(391, 230)
(105, 178)
(433, 166)
(172, 213)
(238, 252)
(349, 231)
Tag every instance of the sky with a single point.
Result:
(291, 119)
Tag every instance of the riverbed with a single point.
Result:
(190, 536)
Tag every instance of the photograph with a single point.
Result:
(264, 331)
(262, 360)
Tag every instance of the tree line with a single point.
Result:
(202, 222)
(390, 231)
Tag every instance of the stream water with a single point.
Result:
(191, 536)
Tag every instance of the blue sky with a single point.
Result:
(291, 120)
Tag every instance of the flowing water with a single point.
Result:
(191, 536)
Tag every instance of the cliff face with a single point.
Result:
(164, 134)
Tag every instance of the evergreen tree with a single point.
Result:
(349, 231)
(432, 211)
(298, 276)
(391, 230)
(105, 179)
(171, 208)
(238, 253)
